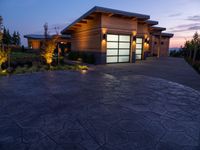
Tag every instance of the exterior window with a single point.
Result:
(138, 52)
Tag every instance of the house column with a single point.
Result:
(159, 46)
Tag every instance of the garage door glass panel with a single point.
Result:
(138, 46)
(111, 52)
(138, 51)
(112, 45)
(138, 57)
(112, 59)
(123, 58)
(139, 40)
(124, 45)
(124, 52)
(124, 38)
(111, 37)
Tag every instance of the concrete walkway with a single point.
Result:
(110, 108)
(172, 69)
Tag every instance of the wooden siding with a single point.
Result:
(34, 44)
(164, 45)
(87, 37)
(119, 25)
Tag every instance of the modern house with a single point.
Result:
(115, 36)
(37, 41)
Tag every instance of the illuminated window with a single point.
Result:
(138, 52)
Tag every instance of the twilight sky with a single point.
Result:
(181, 17)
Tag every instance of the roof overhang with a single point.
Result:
(109, 11)
(169, 35)
(157, 29)
(42, 37)
(37, 37)
(151, 22)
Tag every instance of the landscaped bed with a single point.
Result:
(26, 62)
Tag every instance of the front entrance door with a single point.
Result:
(118, 48)
(138, 52)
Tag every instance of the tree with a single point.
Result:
(18, 39)
(3, 52)
(14, 38)
(7, 39)
(196, 41)
(1, 30)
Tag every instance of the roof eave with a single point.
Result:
(79, 19)
(108, 10)
(152, 22)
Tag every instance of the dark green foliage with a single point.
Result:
(191, 51)
(177, 53)
(8, 39)
(83, 56)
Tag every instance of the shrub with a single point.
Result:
(175, 53)
(73, 55)
(82, 56)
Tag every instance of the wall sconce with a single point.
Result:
(104, 37)
(134, 33)
(147, 40)
(134, 38)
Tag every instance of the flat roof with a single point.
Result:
(41, 37)
(37, 36)
(107, 10)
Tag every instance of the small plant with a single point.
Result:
(48, 52)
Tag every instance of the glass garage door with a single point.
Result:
(118, 48)
(138, 52)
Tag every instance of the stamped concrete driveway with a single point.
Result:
(97, 111)
(172, 69)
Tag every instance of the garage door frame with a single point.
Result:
(118, 55)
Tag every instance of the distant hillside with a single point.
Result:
(174, 48)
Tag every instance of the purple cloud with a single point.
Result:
(186, 27)
(194, 18)
(175, 15)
